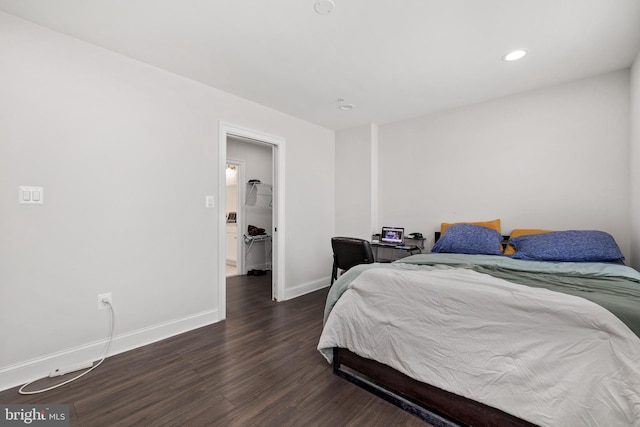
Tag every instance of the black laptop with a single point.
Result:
(392, 235)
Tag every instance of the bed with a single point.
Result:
(492, 339)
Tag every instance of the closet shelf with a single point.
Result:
(259, 194)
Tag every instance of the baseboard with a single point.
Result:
(15, 375)
(306, 288)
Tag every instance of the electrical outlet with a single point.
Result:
(101, 301)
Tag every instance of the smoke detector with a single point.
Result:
(324, 7)
(344, 107)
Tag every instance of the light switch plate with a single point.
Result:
(30, 195)
(209, 201)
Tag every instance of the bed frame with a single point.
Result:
(431, 404)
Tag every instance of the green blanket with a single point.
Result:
(613, 287)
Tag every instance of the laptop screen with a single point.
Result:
(392, 234)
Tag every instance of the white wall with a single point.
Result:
(356, 182)
(126, 154)
(555, 158)
(635, 163)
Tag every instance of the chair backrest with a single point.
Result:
(350, 251)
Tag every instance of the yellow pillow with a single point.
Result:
(510, 250)
(495, 224)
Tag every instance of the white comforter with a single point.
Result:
(546, 357)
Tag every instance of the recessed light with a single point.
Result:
(324, 7)
(514, 55)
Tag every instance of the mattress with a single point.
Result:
(551, 343)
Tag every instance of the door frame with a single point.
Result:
(278, 239)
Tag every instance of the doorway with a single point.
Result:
(277, 146)
(234, 214)
(249, 230)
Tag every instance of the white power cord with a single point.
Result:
(104, 356)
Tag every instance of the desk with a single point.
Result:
(392, 252)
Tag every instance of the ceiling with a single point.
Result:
(391, 60)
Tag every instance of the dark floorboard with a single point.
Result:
(259, 367)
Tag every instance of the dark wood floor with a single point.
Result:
(260, 367)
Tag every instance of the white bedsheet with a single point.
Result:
(546, 357)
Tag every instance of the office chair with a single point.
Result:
(349, 251)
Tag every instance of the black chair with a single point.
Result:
(349, 251)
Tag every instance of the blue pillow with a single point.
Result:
(571, 246)
(469, 239)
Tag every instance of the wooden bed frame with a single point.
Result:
(434, 405)
(431, 404)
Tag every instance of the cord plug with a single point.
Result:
(104, 301)
(73, 368)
